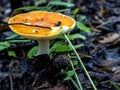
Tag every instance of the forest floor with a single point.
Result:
(100, 53)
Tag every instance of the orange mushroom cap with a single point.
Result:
(40, 18)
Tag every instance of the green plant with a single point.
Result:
(61, 46)
(7, 43)
(83, 27)
(32, 52)
(11, 53)
(49, 6)
(4, 45)
(75, 11)
(80, 61)
(115, 85)
(78, 85)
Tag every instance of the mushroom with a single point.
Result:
(41, 26)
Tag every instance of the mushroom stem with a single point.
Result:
(43, 47)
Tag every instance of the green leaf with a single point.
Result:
(4, 45)
(73, 36)
(39, 2)
(11, 53)
(32, 52)
(18, 41)
(74, 62)
(27, 8)
(78, 46)
(75, 11)
(12, 36)
(58, 47)
(83, 27)
(70, 73)
(61, 37)
(67, 78)
(62, 10)
(82, 18)
(115, 85)
(60, 3)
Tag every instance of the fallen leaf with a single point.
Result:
(109, 63)
(110, 38)
(116, 78)
(116, 70)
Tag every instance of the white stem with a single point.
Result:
(43, 47)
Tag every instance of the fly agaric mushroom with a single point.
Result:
(41, 26)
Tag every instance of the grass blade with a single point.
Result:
(85, 70)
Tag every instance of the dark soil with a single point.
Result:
(101, 53)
